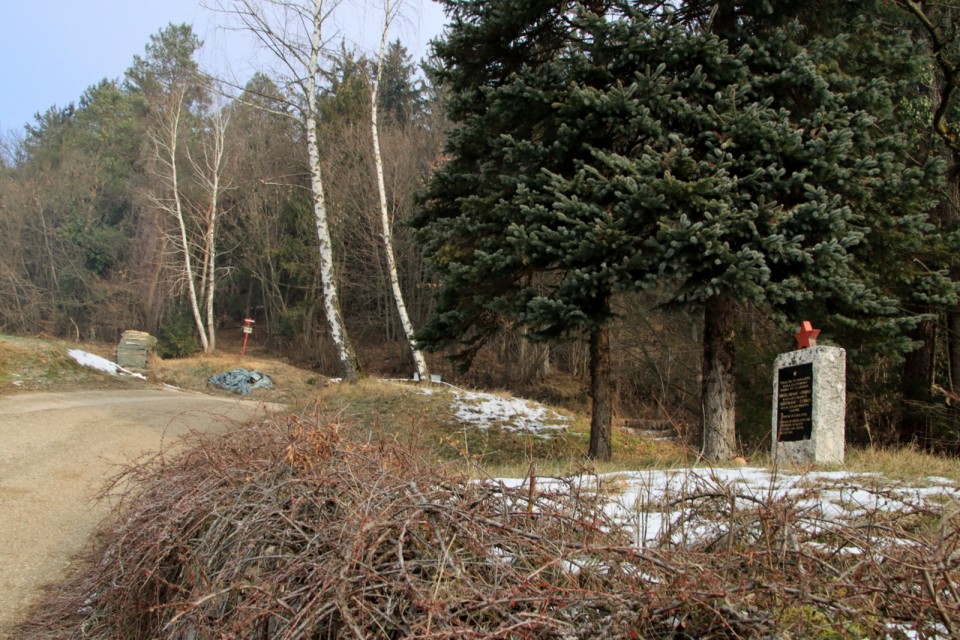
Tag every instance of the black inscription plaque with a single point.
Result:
(795, 403)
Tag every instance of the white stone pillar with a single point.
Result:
(809, 406)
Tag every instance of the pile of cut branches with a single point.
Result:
(286, 530)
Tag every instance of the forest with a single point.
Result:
(623, 203)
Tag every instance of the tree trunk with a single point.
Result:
(950, 210)
(953, 360)
(918, 367)
(211, 285)
(601, 395)
(718, 392)
(421, 363)
(154, 302)
(211, 177)
(173, 130)
(946, 82)
(349, 366)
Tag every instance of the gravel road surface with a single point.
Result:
(56, 451)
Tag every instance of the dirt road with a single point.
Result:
(56, 449)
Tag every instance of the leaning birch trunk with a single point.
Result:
(171, 148)
(291, 30)
(349, 367)
(419, 361)
(211, 270)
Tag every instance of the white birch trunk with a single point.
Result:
(211, 284)
(209, 174)
(350, 369)
(291, 31)
(419, 361)
(170, 146)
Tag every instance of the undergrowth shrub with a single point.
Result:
(178, 337)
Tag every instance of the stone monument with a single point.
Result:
(809, 402)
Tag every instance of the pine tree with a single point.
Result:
(506, 256)
(935, 25)
(822, 203)
(608, 146)
(872, 61)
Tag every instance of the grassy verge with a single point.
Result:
(400, 413)
(31, 364)
(902, 463)
(292, 386)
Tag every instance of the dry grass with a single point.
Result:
(34, 364)
(398, 413)
(903, 463)
(386, 411)
(293, 386)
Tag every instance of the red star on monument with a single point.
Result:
(807, 336)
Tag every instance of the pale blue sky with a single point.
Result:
(52, 50)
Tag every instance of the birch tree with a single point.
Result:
(196, 219)
(166, 138)
(293, 32)
(208, 169)
(390, 10)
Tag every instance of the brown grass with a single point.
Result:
(903, 463)
(398, 413)
(395, 412)
(34, 364)
(293, 386)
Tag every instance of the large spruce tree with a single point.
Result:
(513, 243)
(604, 146)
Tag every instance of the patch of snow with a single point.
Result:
(93, 361)
(513, 483)
(656, 504)
(935, 631)
(485, 410)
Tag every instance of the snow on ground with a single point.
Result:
(658, 506)
(485, 410)
(100, 364)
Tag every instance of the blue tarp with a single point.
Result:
(241, 381)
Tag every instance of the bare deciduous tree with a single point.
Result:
(293, 32)
(208, 170)
(193, 218)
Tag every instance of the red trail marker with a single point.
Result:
(247, 330)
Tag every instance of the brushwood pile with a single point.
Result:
(290, 529)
